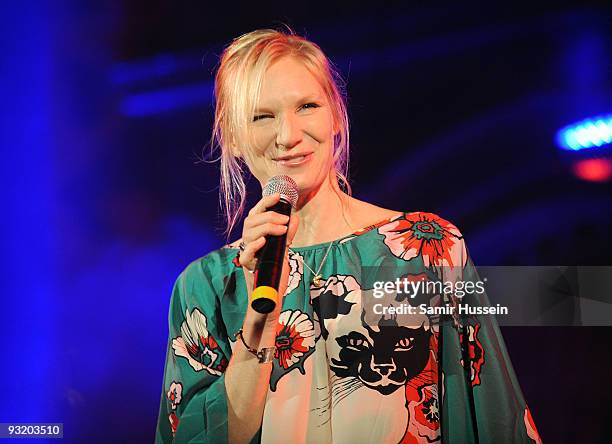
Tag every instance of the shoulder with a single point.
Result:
(431, 222)
(212, 268)
(365, 215)
(438, 241)
(201, 285)
(369, 215)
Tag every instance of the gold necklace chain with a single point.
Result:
(316, 280)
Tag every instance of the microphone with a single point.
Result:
(271, 257)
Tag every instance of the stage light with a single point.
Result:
(589, 133)
(593, 170)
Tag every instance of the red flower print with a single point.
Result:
(425, 234)
(475, 352)
(295, 335)
(236, 260)
(424, 419)
(430, 412)
(532, 432)
(174, 422)
(427, 413)
(222, 365)
(422, 402)
(175, 394)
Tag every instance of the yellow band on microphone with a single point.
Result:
(265, 292)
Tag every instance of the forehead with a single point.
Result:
(288, 79)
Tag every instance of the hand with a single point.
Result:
(259, 223)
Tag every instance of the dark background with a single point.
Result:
(454, 110)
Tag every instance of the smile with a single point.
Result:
(294, 160)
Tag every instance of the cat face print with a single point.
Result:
(384, 360)
(377, 351)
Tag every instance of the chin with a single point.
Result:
(311, 180)
(306, 178)
(307, 185)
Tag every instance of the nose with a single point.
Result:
(289, 132)
(383, 368)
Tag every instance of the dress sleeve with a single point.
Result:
(482, 399)
(193, 407)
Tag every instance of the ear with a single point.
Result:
(234, 147)
(235, 151)
(335, 126)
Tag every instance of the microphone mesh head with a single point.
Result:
(284, 185)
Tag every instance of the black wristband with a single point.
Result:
(263, 356)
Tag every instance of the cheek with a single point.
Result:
(321, 127)
(253, 156)
(263, 138)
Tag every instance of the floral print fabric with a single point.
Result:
(343, 373)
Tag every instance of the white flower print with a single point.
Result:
(295, 336)
(195, 344)
(296, 271)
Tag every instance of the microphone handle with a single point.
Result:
(270, 266)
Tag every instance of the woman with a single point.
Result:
(342, 370)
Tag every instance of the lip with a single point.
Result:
(294, 160)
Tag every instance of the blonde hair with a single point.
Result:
(237, 87)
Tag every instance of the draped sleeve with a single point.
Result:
(193, 405)
(481, 397)
(344, 372)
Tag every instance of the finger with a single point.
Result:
(265, 203)
(267, 217)
(264, 230)
(247, 256)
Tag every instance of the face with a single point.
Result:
(292, 128)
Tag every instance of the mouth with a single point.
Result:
(294, 160)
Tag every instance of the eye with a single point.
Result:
(261, 117)
(404, 344)
(355, 343)
(310, 105)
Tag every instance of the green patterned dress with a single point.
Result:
(377, 353)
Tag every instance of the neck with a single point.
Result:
(325, 214)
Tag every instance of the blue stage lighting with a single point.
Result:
(589, 133)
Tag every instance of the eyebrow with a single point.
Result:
(313, 97)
